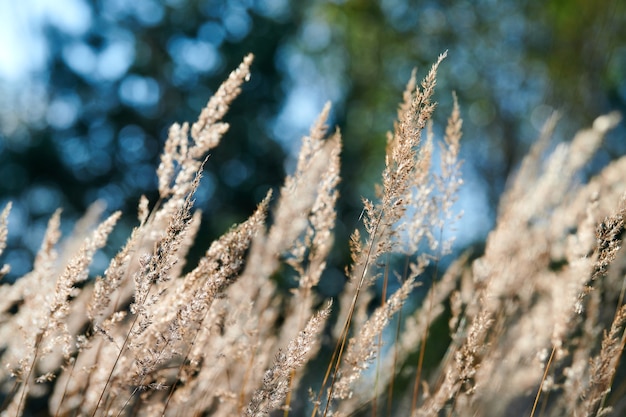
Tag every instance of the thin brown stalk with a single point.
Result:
(379, 342)
(543, 379)
(344, 334)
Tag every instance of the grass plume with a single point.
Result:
(533, 325)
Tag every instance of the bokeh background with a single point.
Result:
(88, 89)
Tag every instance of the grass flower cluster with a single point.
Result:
(534, 325)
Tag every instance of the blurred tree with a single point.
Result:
(113, 89)
(511, 63)
(90, 124)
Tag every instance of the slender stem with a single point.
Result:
(346, 327)
(379, 344)
(543, 379)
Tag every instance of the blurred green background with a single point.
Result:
(88, 89)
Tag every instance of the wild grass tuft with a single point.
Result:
(534, 324)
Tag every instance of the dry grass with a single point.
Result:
(536, 323)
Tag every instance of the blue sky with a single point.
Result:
(23, 45)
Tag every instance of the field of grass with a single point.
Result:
(534, 325)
